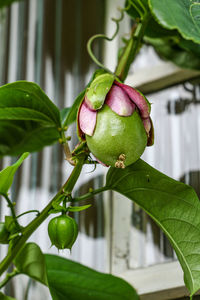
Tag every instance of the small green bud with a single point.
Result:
(63, 231)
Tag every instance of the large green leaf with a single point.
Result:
(183, 53)
(174, 206)
(28, 119)
(31, 99)
(7, 174)
(73, 281)
(31, 261)
(153, 29)
(182, 15)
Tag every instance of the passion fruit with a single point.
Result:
(117, 141)
(114, 119)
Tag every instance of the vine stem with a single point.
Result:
(33, 225)
(103, 36)
(90, 194)
(131, 49)
(28, 212)
(8, 277)
(11, 206)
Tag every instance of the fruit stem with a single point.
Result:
(66, 148)
(34, 224)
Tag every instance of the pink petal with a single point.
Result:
(89, 104)
(119, 102)
(87, 119)
(137, 98)
(147, 125)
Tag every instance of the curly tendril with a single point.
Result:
(103, 36)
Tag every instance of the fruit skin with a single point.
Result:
(4, 234)
(115, 135)
(63, 231)
(114, 120)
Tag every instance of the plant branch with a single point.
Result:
(64, 141)
(11, 206)
(90, 194)
(131, 49)
(33, 225)
(8, 277)
(28, 212)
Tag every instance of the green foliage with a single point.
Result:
(10, 225)
(28, 119)
(78, 208)
(68, 115)
(174, 206)
(31, 261)
(182, 15)
(71, 280)
(7, 174)
(169, 41)
(4, 234)
(4, 297)
(183, 53)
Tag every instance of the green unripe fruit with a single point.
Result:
(116, 139)
(4, 234)
(63, 231)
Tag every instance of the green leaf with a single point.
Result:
(78, 208)
(68, 115)
(64, 114)
(31, 261)
(183, 53)
(28, 119)
(28, 95)
(174, 206)
(71, 280)
(20, 136)
(195, 14)
(182, 15)
(7, 174)
(11, 225)
(4, 297)
(6, 3)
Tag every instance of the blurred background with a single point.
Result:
(44, 41)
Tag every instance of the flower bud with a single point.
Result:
(114, 119)
(63, 231)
